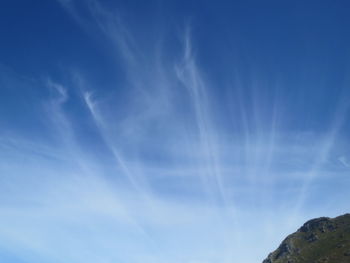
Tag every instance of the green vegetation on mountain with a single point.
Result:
(320, 240)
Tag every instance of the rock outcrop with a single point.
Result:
(320, 240)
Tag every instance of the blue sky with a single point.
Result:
(169, 131)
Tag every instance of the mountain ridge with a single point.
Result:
(319, 240)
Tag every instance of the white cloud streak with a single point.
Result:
(58, 204)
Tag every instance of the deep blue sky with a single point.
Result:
(159, 131)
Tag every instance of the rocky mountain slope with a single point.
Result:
(320, 240)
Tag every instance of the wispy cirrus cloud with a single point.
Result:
(147, 173)
(344, 161)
